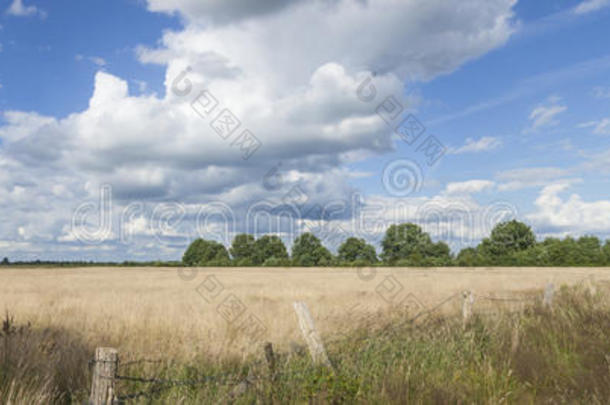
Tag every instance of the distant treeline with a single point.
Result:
(511, 243)
(57, 263)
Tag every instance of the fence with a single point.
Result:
(106, 364)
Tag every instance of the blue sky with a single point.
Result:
(101, 158)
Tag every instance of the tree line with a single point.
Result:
(511, 243)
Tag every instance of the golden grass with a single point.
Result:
(153, 312)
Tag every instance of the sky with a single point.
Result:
(129, 128)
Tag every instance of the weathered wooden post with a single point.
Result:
(311, 335)
(467, 304)
(270, 357)
(549, 291)
(104, 370)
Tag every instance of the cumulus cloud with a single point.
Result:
(589, 6)
(472, 145)
(290, 83)
(218, 11)
(573, 213)
(17, 8)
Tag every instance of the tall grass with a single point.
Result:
(558, 355)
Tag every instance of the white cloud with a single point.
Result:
(469, 187)
(472, 145)
(517, 179)
(296, 92)
(545, 115)
(572, 214)
(601, 127)
(96, 60)
(218, 11)
(589, 6)
(17, 8)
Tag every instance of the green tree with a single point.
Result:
(506, 238)
(242, 250)
(203, 252)
(307, 250)
(469, 257)
(439, 254)
(606, 253)
(5, 261)
(407, 242)
(589, 251)
(355, 249)
(269, 249)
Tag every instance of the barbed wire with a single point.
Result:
(141, 361)
(506, 299)
(160, 384)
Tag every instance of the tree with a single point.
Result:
(269, 249)
(5, 261)
(606, 253)
(589, 251)
(406, 242)
(468, 257)
(354, 249)
(439, 254)
(506, 238)
(242, 249)
(205, 253)
(307, 250)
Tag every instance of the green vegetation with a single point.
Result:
(309, 251)
(510, 243)
(534, 356)
(206, 253)
(357, 252)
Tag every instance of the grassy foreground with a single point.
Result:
(539, 355)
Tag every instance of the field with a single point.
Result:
(179, 315)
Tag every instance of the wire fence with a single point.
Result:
(267, 367)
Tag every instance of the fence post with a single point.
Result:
(467, 306)
(548, 295)
(104, 369)
(311, 335)
(270, 357)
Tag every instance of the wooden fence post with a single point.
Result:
(311, 335)
(548, 295)
(467, 306)
(104, 370)
(270, 357)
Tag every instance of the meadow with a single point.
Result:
(178, 317)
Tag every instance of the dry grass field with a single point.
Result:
(181, 317)
(155, 312)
